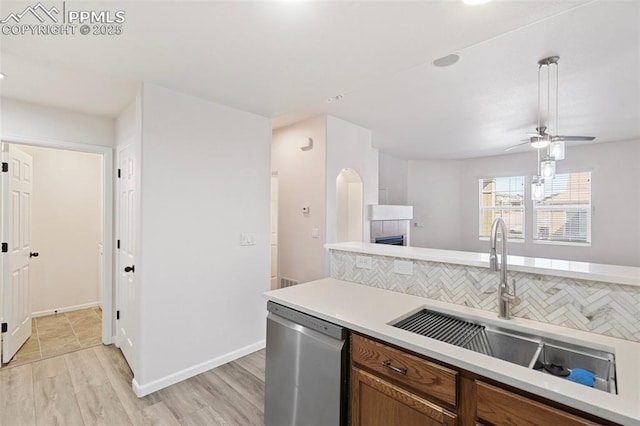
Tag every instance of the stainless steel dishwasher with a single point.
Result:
(306, 370)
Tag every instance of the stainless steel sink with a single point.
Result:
(601, 363)
(527, 350)
(510, 347)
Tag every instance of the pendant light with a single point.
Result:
(556, 148)
(537, 189)
(537, 184)
(548, 168)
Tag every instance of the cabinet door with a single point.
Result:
(501, 407)
(376, 402)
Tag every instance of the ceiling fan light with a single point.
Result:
(557, 149)
(548, 168)
(537, 189)
(539, 142)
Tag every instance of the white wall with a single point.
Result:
(205, 179)
(126, 125)
(349, 206)
(25, 120)
(301, 177)
(349, 147)
(453, 209)
(434, 193)
(66, 228)
(393, 176)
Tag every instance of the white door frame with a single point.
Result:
(108, 313)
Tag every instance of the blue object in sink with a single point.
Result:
(583, 377)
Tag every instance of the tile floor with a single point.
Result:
(60, 334)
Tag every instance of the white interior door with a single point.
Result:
(126, 253)
(17, 187)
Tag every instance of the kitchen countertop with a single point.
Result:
(370, 310)
(628, 275)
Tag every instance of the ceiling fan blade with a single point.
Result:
(533, 135)
(578, 138)
(516, 146)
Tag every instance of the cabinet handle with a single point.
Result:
(402, 370)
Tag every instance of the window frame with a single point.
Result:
(523, 208)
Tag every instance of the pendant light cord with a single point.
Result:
(557, 96)
(538, 128)
(549, 107)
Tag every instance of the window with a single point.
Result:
(502, 197)
(564, 216)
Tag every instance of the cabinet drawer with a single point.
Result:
(413, 372)
(376, 402)
(501, 407)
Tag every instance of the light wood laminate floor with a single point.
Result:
(60, 334)
(93, 387)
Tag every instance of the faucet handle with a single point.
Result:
(511, 298)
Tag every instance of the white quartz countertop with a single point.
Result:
(370, 310)
(628, 275)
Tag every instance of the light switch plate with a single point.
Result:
(364, 262)
(403, 267)
(248, 239)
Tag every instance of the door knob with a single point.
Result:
(130, 268)
(34, 254)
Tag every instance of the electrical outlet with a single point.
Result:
(364, 262)
(403, 267)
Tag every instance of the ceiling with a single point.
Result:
(284, 59)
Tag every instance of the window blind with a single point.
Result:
(564, 215)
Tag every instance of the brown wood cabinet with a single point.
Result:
(377, 402)
(399, 388)
(391, 386)
(413, 372)
(501, 407)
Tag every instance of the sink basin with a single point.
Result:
(601, 363)
(524, 349)
(512, 348)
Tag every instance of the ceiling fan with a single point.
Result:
(541, 138)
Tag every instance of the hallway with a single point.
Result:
(60, 334)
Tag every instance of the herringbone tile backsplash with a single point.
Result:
(603, 308)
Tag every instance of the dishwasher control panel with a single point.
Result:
(308, 321)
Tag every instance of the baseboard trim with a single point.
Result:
(64, 309)
(145, 389)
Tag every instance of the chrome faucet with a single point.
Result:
(505, 299)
